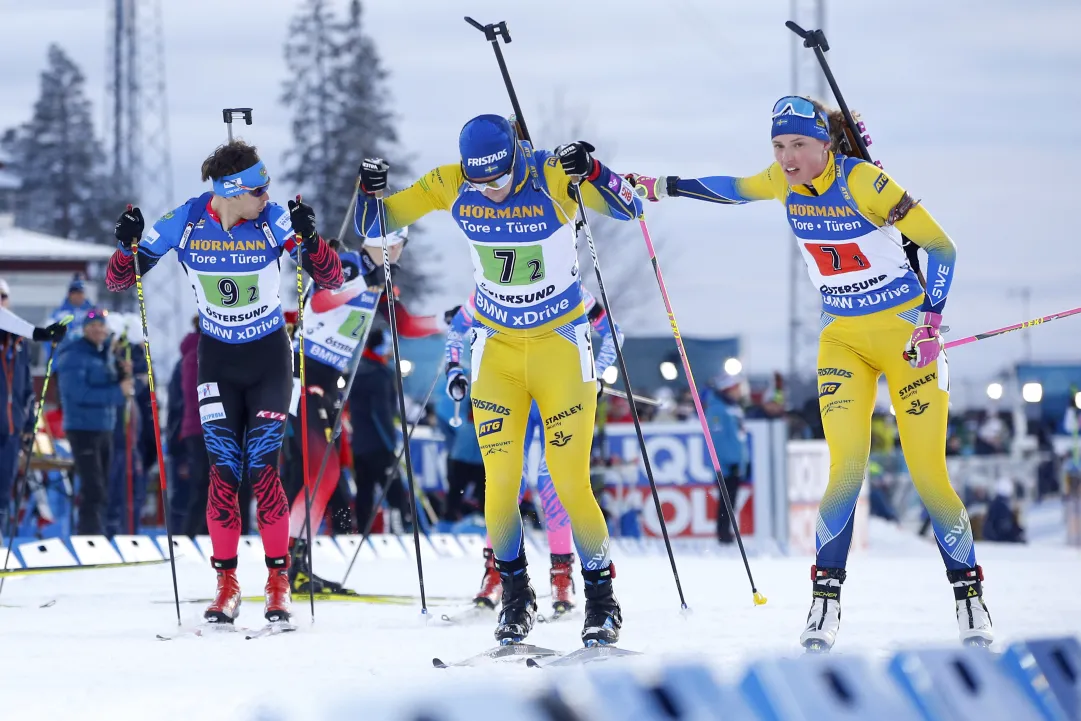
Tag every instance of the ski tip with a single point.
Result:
(532, 663)
(759, 599)
(438, 664)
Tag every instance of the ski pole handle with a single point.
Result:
(457, 419)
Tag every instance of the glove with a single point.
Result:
(129, 227)
(373, 176)
(448, 317)
(576, 159)
(374, 274)
(600, 388)
(302, 217)
(457, 383)
(651, 189)
(53, 333)
(925, 345)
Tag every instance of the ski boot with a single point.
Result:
(973, 619)
(562, 577)
(519, 611)
(278, 596)
(226, 604)
(491, 587)
(603, 615)
(824, 618)
(301, 578)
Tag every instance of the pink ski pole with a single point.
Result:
(759, 599)
(1007, 329)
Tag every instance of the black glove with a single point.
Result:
(53, 333)
(373, 175)
(302, 217)
(457, 383)
(448, 317)
(576, 159)
(129, 227)
(374, 274)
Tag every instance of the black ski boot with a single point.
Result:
(301, 577)
(603, 615)
(519, 611)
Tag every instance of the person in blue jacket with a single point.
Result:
(722, 402)
(16, 416)
(93, 383)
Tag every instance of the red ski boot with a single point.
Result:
(562, 583)
(491, 587)
(278, 596)
(226, 604)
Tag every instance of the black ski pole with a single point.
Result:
(381, 208)
(367, 531)
(25, 477)
(816, 41)
(157, 421)
(492, 33)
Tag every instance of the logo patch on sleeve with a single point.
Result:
(880, 182)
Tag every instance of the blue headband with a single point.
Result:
(794, 115)
(245, 181)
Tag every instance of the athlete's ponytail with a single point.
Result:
(841, 140)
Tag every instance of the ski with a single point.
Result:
(557, 614)
(514, 651)
(375, 598)
(590, 654)
(273, 628)
(473, 614)
(59, 569)
(202, 629)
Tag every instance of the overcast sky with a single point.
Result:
(971, 105)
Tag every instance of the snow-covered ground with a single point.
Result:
(93, 653)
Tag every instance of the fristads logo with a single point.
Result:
(485, 160)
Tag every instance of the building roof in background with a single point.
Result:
(21, 244)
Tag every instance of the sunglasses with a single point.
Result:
(497, 184)
(793, 105)
(97, 315)
(260, 191)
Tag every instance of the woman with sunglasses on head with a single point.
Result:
(531, 336)
(848, 216)
(230, 242)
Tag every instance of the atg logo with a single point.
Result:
(494, 157)
(828, 389)
(489, 427)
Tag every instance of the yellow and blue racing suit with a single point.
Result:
(531, 340)
(871, 301)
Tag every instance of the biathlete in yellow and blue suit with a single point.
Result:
(848, 216)
(531, 339)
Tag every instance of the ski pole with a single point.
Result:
(129, 443)
(381, 208)
(304, 408)
(456, 420)
(9, 534)
(367, 531)
(1008, 329)
(637, 399)
(729, 506)
(157, 421)
(492, 33)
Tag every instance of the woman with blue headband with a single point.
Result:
(230, 242)
(848, 216)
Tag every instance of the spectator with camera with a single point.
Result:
(94, 383)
